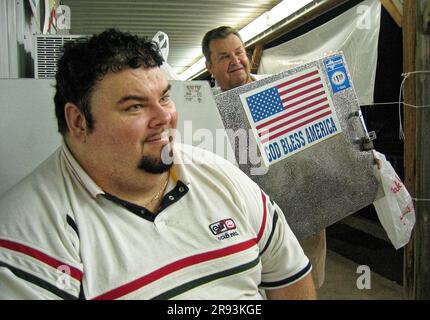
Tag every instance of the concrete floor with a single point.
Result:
(341, 282)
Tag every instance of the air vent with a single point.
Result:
(48, 50)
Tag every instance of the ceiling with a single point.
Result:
(185, 22)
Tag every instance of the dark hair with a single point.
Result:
(217, 33)
(85, 62)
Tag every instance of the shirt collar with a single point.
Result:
(178, 170)
(217, 89)
(79, 173)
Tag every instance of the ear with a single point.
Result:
(209, 66)
(75, 121)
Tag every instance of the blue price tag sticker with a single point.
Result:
(337, 73)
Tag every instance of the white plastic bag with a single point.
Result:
(395, 210)
(162, 39)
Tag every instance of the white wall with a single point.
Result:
(28, 129)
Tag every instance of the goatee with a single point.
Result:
(158, 165)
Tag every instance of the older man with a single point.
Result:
(228, 64)
(121, 212)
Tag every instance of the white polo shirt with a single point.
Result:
(216, 236)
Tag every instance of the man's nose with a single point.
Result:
(160, 115)
(234, 59)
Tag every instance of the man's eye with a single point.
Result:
(165, 99)
(134, 108)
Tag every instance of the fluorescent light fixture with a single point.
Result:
(196, 68)
(255, 27)
(281, 11)
(285, 9)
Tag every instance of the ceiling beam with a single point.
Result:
(393, 11)
(291, 24)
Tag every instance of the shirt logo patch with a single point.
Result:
(223, 229)
(222, 226)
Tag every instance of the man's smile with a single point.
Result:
(162, 137)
